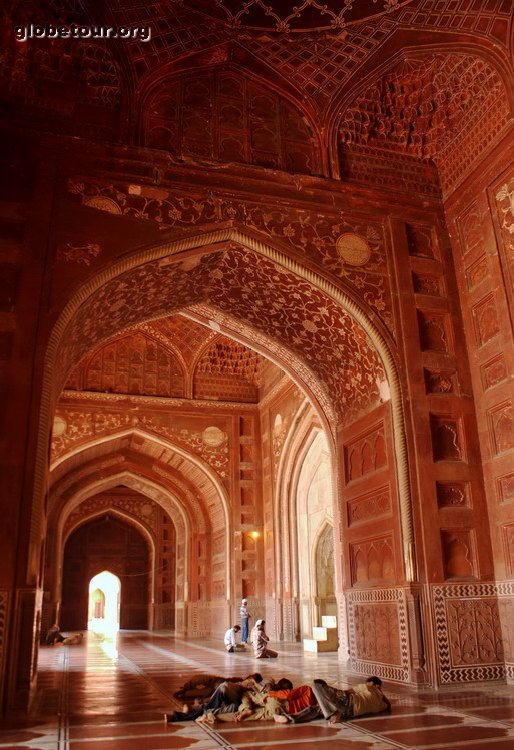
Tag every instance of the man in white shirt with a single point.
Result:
(230, 640)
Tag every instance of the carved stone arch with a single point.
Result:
(157, 494)
(211, 478)
(302, 436)
(125, 515)
(324, 564)
(191, 517)
(97, 287)
(74, 579)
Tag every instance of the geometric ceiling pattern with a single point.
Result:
(173, 357)
(313, 331)
(373, 72)
(284, 16)
(423, 105)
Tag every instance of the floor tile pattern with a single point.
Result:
(110, 694)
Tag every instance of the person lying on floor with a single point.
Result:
(296, 705)
(203, 685)
(226, 697)
(363, 699)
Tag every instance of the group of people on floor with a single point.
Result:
(252, 698)
(258, 637)
(259, 640)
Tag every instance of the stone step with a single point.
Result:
(309, 644)
(324, 634)
(329, 621)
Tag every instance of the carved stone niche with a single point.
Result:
(373, 561)
(505, 488)
(429, 284)
(421, 241)
(453, 495)
(447, 444)
(477, 272)
(494, 372)
(433, 331)
(501, 420)
(472, 230)
(459, 556)
(440, 381)
(485, 317)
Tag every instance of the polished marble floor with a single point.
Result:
(111, 694)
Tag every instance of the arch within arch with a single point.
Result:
(311, 509)
(142, 484)
(88, 551)
(337, 295)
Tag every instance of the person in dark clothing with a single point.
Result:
(54, 635)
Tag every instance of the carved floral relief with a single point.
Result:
(311, 234)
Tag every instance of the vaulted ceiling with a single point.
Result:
(285, 85)
(175, 357)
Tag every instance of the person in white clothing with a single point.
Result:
(230, 640)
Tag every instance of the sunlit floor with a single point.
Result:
(110, 694)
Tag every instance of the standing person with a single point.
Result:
(260, 642)
(339, 705)
(245, 616)
(229, 640)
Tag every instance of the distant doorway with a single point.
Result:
(104, 603)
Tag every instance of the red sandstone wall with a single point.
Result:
(481, 224)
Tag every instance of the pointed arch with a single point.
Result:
(337, 295)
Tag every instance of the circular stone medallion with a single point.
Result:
(213, 437)
(353, 249)
(59, 427)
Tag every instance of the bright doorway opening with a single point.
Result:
(104, 603)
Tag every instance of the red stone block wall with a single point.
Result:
(372, 547)
(481, 222)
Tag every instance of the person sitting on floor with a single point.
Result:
(54, 635)
(260, 641)
(363, 699)
(229, 640)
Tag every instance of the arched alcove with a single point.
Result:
(228, 279)
(106, 543)
(105, 597)
(291, 332)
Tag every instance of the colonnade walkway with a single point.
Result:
(111, 695)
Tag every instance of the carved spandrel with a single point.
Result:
(446, 439)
